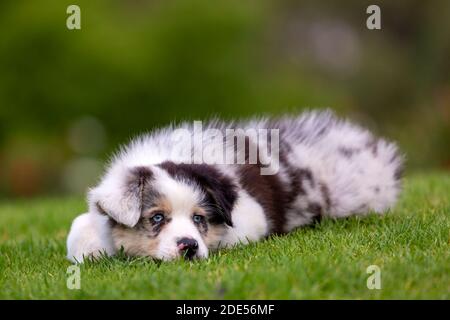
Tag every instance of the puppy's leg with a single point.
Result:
(89, 236)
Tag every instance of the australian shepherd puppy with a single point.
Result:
(187, 190)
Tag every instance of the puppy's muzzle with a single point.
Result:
(188, 247)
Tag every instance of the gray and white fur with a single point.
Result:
(154, 202)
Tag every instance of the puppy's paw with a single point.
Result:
(89, 236)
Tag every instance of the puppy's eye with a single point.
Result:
(158, 218)
(198, 218)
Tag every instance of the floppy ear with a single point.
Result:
(120, 194)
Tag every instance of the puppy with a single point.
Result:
(179, 193)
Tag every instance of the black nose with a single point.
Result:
(188, 247)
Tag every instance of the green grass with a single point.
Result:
(328, 260)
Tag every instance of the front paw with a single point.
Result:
(89, 236)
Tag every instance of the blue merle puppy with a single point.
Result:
(157, 200)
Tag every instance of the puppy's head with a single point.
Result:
(166, 211)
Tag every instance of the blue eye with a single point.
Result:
(198, 218)
(157, 218)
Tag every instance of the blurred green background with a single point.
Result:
(68, 98)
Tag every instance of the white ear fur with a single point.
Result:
(119, 196)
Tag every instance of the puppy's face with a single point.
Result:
(184, 210)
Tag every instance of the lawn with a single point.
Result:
(327, 260)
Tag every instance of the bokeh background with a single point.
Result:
(69, 98)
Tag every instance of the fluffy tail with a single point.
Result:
(358, 172)
(365, 179)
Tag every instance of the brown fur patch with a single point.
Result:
(214, 236)
(268, 191)
(134, 242)
(159, 204)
